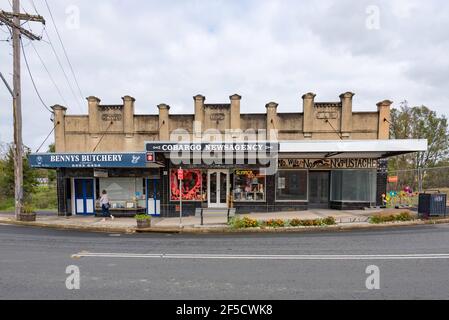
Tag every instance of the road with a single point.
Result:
(318, 265)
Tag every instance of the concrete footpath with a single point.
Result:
(346, 220)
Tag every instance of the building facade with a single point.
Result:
(324, 156)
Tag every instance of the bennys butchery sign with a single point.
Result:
(328, 163)
(87, 160)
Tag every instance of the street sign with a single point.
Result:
(150, 157)
(393, 179)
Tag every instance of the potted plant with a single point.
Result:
(27, 214)
(143, 220)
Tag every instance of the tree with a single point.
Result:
(419, 123)
(7, 174)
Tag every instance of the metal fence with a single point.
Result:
(403, 186)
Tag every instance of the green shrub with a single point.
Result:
(27, 208)
(142, 217)
(245, 222)
(380, 218)
(328, 221)
(405, 216)
(7, 204)
(296, 222)
(274, 223)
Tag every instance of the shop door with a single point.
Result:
(217, 188)
(84, 196)
(319, 189)
(153, 197)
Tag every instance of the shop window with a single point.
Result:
(124, 193)
(353, 185)
(249, 185)
(291, 185)
(194, 185)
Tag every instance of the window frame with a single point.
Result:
(276, 186)
(263, 172)
(353, 201)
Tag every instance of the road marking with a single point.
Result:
(262, 257)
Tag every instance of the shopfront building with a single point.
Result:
(326, 156)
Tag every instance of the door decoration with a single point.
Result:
(191, 185)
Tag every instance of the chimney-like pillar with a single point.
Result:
(272, 121)
(94, 117)
(128, 115)
(164, 132)
(346, 114)
(308, 106)
(59, 123)
(235, 112)
(199, 115)
(383, 108)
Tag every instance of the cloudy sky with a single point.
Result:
(168, 51)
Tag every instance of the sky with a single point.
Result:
(169, 51)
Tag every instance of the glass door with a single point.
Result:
(319, 189)
(218, 188)
(153, 197)
(84, 196)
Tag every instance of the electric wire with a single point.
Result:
(32, 79)
(53, 129)
(64, 50)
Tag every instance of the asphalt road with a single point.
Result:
(33, 265)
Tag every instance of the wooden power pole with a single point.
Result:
(13, 20)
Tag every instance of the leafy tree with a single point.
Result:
(419, 123)
(7, 174)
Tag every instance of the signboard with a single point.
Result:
(99, 173)
(150, 157)
(257, 146)
(393, 179)
(328, 163)
(87, 160)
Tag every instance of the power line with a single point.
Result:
(49, 74)
(32, 79)
(63, 48)
(53, 129)
(62, 69)
(59, 61)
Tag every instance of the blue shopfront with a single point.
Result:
(132, 182)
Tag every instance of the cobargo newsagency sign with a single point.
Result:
(87, 160)
(247, 147)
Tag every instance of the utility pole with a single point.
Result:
(13, 20)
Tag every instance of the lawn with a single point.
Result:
(44, 198)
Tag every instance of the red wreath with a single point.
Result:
(187, 192)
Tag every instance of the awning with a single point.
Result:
(351, 148)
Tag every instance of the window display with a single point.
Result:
(353, 185)
(291, 185)
(124, 193)
(249, 185)
(194, 185)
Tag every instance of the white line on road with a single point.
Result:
(263, 257)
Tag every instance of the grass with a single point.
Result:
(44, 198)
